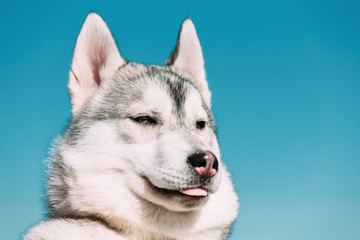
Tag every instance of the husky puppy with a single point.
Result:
(140, 158)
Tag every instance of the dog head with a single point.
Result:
(139, 132)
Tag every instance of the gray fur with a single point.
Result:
(126, 88)
(118, 93)
(105, 152)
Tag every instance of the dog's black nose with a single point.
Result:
(204, 163)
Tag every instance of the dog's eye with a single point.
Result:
(145, 120)
(200, 124)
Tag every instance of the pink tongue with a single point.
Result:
(194, 192)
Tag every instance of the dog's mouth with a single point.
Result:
(196, 192)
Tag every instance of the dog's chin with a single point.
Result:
(176, 199)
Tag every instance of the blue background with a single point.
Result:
(285, 77)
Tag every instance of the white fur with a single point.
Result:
(103, 182)
(194, 109)
(107, 173)
(156, 101)
(71, 230)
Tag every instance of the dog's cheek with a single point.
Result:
(214, 145)
(131, 132)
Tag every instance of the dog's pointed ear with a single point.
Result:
(95, 59)
(188, 56)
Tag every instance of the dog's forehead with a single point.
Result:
(157, 100)
(138, 88)
(167, 101)
(156, 86)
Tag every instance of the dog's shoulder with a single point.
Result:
(59, 229)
